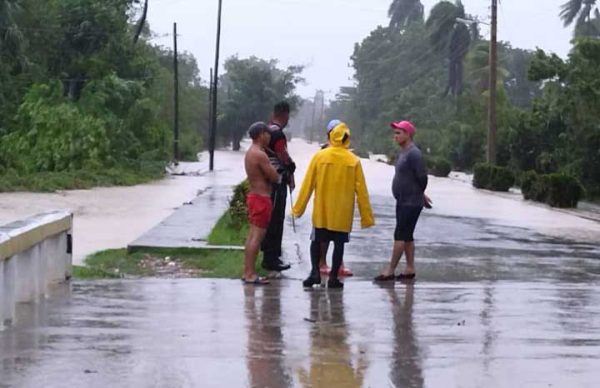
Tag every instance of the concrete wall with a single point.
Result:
(35, 253)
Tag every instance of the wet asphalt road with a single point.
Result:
(493, 306)
(503, 298)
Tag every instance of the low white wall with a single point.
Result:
(35, 253)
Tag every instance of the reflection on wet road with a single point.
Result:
(190, 333)
(507, 295)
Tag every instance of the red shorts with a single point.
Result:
(259, 210)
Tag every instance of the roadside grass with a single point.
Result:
(12, 181)
(188, 262)
(228, 232)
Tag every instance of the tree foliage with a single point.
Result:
(562, 132)
(404, 12)
(250, 87)
(78, 93)
(547, 108)
(580, 12)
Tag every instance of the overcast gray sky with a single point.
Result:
(321, 34)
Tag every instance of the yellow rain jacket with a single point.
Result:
(336, 176)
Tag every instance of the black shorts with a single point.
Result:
(406, 220)
(326, 235)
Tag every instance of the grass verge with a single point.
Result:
(227, 232)
(11, 181)
(115, 263)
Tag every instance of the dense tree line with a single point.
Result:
(434, 71)
(83, 91)
(248, 90)
(81, 88)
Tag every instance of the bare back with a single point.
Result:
(259, 170)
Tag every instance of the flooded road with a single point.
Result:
(112, 217)
(217, 333)
(507, 294)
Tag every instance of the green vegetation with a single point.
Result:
(490, 177)
(117, 263)
(438, 166)
(558, 190)
(228, 232)
(84, 272)
(80, 179)
(547, 107)
(250, 87)
(232, 227)
(87, 100)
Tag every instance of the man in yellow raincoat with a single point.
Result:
(336, 176)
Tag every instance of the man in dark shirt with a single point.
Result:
(408, 187)
(283, 163)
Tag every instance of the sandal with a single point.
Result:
(406, 276)
(384, 278)
(345, 271)
(258, 281)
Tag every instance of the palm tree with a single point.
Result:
(403, 12)
(580, 10)
(141, 22)
(478, 66)
(590, 28)
(10, 35)
(446, 34)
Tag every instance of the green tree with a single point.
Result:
(561, 133)
(12, 57)
(449, 35)
(580, 12)
(403, 12)
(87, 97)
(250, 87)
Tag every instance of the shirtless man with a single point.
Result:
(261, 175)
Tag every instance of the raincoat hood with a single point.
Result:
(340, 136)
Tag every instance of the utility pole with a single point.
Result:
(312, 124)
(322, 116)
(210, 85)
(175, 97)
(492, 125)
(213, 126)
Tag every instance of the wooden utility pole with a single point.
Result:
(322, 123)
(175, 97)
(210, 92)
(312, 124)
(492, 125)
(213, 131)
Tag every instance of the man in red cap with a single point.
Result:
(408, 187)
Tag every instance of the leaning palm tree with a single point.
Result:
(478, 66)
(403, 12)
(448, 35)
(141, 22)
(578, 11)
(11, 37)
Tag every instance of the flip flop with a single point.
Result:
(406, 276)
(259, 281)
(384, 278)
(345, 271)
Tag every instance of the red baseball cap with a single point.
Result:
(405, 125)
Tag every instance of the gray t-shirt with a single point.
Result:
(410, 179)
